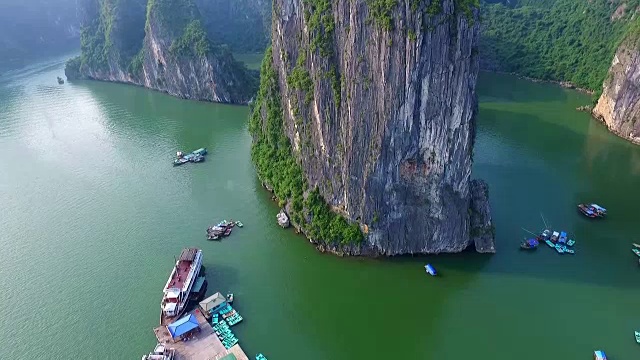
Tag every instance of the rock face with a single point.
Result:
(619, 104)
(162, 45)
(379, 102)
(244, 25)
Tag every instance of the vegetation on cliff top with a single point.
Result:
(276, 166)
(561, 40)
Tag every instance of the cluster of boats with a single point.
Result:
(224, 333)
(230, 315)
(592, 210)
(556, 240)
(223, 229)
(195, 157)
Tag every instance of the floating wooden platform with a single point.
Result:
(204, 345)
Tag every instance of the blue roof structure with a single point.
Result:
(532, 242)
(183, 326)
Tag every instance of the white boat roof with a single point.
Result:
(169, 307)
(172, 293)
(556, 233)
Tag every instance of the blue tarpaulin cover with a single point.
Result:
(183, 326)
(532, 242)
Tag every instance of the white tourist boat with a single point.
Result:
(178, 288)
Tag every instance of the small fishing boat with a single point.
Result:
(180, 161)
(599, 355)
(636, 245)
(227, 232)
(529, 244)
(551, 245)
(562, 239)
(599, 210)
(260, 357)
(636, 251)
(230, 298)
(571, 242)
(430, 270)
(637, 337)
(587, 211)
(554, 236)
(239, 224)
(569, 251)
(545, 235)
(559, 248)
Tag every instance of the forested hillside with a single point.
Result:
(561, 40)
(34, 28)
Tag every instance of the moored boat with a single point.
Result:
(230, 298)
(177, 291)
(529, 244)
(430, 270)
(599, 355)
(545, 235)
(160, 352)
(239, 224)
(554, 236)
(562, 239)
(551, 245)
(637, 337)
(559, 248)
(571, 242)
(636, 251)
(592, 210)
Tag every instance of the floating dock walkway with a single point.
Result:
(203, 345)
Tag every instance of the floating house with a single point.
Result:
(213, 304)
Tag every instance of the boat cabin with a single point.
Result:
(160, 352)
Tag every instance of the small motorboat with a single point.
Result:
(197, 159)
(571, 242)
(230, 298)
(180, 161)
(554, 236)
(545, 235)
(599, 210)
(587, 211)
(239, 224)
(562, 239)
(599, 355)
(569, 251)
(636, 245)
(227, 232)
(430, 270)
(638, 337)
(551, 245)
(636, 251)
(559, 248)
(260, 357)
(529, 244)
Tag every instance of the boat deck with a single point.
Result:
(180, 275)
(204, 345)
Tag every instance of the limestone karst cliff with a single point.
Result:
(364, 125)
(162, 45)
(619, 105)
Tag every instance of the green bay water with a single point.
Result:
(92, 215)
